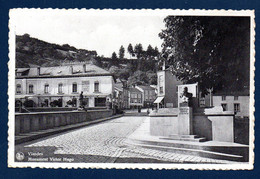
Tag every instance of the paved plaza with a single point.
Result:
(105, 143)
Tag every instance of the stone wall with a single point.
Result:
(211, 125)
(202, 126)
(29, 122)
(214, 127)
(164, 122)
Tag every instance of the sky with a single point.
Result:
(102, 32)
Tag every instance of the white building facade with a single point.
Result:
(43, 85)
(236, 103)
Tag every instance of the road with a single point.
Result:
(101, 143)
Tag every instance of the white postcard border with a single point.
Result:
(124, 12)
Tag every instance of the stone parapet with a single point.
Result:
(31, 122)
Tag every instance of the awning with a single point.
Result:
(158, 99)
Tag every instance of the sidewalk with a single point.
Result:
(210, 149)
(26, 137)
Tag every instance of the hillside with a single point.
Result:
(31, 52)
(34, 52)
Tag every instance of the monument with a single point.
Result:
(185, 113)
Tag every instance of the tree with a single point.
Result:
(125, 72)
(138, 78)
(130, 50)
(156, 52)
(152, 78)
(114, 56)
(121, 52)
(213, 51)
(114, 59)
(150, 50)
(138, 50)
(29, 103)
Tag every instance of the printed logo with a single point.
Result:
(19, 156)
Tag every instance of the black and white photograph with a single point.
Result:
(154, 89)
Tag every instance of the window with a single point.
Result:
(224, 106)
(236, 98)
(96, 86)
(18, 74)
(30, 88)
(236, 107)
(60, 88)
(151, 93)
(74, 87)
(161, 89)
(134, 95)
(202, 102)
(139, 95)
(18, 88)
(46, 88)
(223, 98)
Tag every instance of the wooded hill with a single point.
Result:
(140, 69)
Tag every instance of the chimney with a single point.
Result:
(38, 71)
(84, 68)
(71, 69)
(163, 67)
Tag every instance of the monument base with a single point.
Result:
(185, 121)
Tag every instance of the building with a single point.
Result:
(148, 94)
(126, 96)
(118, 96)
(61, 85)
(135, 98)
(167, 89)
(237, 102)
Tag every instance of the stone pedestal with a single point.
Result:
(185, 121)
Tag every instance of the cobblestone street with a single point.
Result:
(104, 142)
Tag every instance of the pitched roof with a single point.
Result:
(146, 87)
(20, 70)
(59, 71)
(118, 89)
(134, 90)
(244, 92)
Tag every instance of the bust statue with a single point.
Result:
(186, 98)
